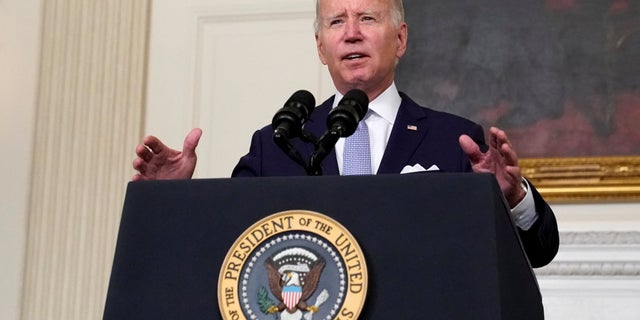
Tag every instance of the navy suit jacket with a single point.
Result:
(419, 136)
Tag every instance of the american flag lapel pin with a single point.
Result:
(412, 127)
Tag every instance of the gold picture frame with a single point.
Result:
(588, 179)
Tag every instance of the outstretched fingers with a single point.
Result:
(154, 144)
(143, 152)
(156, 161)
(149, 155)
(191, 142)
(504, 145)
(471, 148)
(140, 165)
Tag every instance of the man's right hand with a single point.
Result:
(156, 161)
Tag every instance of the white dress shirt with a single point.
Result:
(379, 119)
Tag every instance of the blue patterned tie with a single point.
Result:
(357, 154)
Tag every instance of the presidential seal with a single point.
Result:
(293, 265)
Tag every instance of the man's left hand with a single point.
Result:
(500, 159)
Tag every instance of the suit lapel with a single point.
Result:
(409, 130)
(317, 125)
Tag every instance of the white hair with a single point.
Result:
(397, 14)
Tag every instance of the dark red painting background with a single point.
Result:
(562, 77)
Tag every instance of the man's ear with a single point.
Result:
(320, 50)
(403, 33)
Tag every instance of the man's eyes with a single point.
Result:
(367, 19)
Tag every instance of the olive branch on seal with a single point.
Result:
(265, 302)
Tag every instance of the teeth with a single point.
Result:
(354, 56)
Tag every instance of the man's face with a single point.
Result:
(360, 43)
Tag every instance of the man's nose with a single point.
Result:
(352, 30)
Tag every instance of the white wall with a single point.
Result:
(598, 217)
(19, 51)
(596, 274)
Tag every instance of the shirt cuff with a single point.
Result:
(524, 213)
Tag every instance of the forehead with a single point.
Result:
(336, 7)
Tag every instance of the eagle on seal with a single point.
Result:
(293, 289)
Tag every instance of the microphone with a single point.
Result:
(288, 121)
(343, 119)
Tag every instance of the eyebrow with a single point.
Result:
(359, 14)
(336, 16)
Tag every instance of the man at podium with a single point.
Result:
(361, 41)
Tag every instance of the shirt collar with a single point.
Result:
(386, 105)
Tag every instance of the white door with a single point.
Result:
(227, 66)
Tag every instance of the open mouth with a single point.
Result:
(354, 56)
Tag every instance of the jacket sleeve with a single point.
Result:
(541, 241)
(250, 164)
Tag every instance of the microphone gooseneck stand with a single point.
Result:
(342, 121)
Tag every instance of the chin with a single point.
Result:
(357, 82)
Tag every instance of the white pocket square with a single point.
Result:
(418, 168)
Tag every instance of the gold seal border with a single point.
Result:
(290, 221)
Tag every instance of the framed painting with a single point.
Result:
(561, 77)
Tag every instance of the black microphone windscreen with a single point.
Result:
(305, 98)
(360, 98)
(352, 108)
(287, 122)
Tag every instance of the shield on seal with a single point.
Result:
(291, 296)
